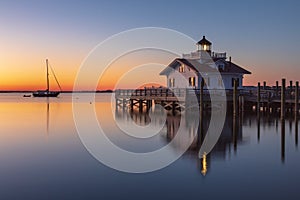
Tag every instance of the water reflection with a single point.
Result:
(59, 166)
(282, 140)
(47, 117)
(196, 130)
(296, 129)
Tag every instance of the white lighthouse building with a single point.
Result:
(188, 71)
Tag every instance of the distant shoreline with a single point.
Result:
(67, 91)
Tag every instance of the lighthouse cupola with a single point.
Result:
(204, 45)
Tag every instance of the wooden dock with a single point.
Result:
(262, 98)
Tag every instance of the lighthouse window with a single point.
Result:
(221, 67)
(181, 69)
(171, 82)
(192, 81)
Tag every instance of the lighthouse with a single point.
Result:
(204, 45)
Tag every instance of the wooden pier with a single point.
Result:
(262, 98)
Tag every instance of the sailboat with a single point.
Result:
(47, 92)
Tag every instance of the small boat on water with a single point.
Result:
(27, 95)
(47, 92)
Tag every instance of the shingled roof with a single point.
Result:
(204, 41)
(229, 67)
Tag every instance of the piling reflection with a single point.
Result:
(258, 126)
(196, 130)
(283, 140)
(296, 129)
(231, 138)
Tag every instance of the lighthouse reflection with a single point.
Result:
(195, 129)
(231, 138)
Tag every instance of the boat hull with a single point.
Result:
(45, 94)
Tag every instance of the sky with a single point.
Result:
(261, 36)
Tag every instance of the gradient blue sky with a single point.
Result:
(262, 36)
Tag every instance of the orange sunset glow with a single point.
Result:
(29, 74)
(149, 100)
(66, 39)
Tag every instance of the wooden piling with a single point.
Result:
(277, 88)
(290, 96)
(258, 97)
(269, 102)
(235, 97)
(140, 105)
(265, 85)
(296, 98)
(258, 112)
(131, 104)
(147, 105)
(173, 107)
(282, 108)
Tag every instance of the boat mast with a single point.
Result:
(47, 76)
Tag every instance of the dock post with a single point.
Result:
(265, 105)
(282, 108)
(291, 96)
(277, 88)
(258, 97)
(235, 97)
(131, 104)
(296, 98)
(258, 111)
(269, 102)
(140, 105)
(173, 107)
(147, 105)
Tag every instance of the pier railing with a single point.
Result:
(268, 94)
(151, 92)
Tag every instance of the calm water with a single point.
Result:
(42, 156)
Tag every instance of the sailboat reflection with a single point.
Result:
(47, 117)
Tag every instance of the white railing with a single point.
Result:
(218, 55)
(199, 54)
